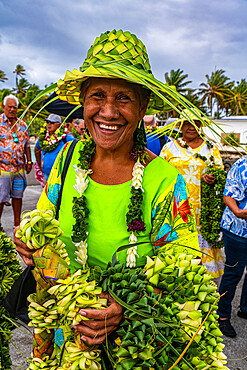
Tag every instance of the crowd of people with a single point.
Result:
(112, 162)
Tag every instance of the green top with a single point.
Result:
(108, 205)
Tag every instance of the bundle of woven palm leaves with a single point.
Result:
(9, 271)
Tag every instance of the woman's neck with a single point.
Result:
(194, 143)
(111, 167)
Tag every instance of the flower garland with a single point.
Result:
(47, 142)
(80, 211)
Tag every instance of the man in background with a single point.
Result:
(15, 157)
(155, 141)
(52, 139)
(79, 126)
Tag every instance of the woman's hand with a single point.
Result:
(208, 178)
(24, 252)
(102, 322)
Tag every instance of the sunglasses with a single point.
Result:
(82, 129)
(52, 123)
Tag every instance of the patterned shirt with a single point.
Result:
(236, 188)
(166, 210)
(12, 157)
(191, 168)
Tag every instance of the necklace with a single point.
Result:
(76, 133)
(208, 159)
(80, 212)
(50, 142)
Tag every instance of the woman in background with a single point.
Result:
(192, 156)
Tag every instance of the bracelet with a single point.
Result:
(29, 162)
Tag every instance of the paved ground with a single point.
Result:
(236, 349)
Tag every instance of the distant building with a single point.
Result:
(235, 124)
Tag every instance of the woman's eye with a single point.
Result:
(124, 97)
(97, 95)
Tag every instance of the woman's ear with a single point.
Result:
(143, 108)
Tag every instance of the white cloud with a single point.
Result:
(49, 37)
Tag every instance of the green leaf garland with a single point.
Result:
(212, 207)
(9, 271)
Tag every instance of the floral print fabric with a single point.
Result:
(236, 188)
(192, 169)
(12, 157)
(168, 215)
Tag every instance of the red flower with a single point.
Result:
(184, 209)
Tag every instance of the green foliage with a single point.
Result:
(3, 77)
(212, 207)
(34, 126)
(232, 139)
(177, 78)
(215, 88)
(236, 98)
(9, 271)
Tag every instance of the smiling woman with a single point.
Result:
(116, 192)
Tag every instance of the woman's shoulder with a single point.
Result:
(159, 170)
(170, 144)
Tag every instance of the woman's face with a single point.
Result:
(112, 111)
(189, 131)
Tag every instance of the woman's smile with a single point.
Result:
(108, 128)
(112, 111)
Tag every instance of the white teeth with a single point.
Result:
(102, 125)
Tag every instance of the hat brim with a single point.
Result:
(163, 97)
(180, 121)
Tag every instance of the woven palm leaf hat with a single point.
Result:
(119, 54)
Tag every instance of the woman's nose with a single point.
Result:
(109, 110)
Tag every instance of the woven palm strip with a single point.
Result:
(49, 267)
(119, 54)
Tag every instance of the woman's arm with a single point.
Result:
(232, 205)
(37, 153)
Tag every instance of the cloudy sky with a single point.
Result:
(48, 37)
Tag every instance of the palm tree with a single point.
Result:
(214, 89)
(19, 71)
(3, 77)
(22, 86)
(177, 79)
(192, 96)
(27, 98)
(237, 98)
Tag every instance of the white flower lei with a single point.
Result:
(80, 186)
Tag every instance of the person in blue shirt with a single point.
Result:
(234, 227)
(51, 140)
(154, 142)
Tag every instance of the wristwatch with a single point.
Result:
(29, 162)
